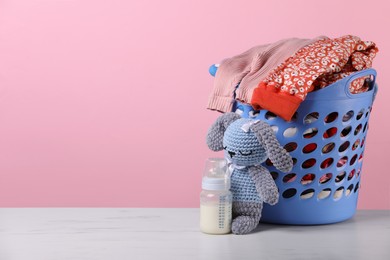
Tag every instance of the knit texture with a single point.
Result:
(215, 135)
(247, 143)
(265, 184)
(241, 147)
(248, 69)
(280, 158)
(246, 216)
(243, 187)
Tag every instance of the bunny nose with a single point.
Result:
(231, 153)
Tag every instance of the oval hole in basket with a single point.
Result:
(310, 132)
(342, 162)
(338, 193)
(290, 132)
(353, 160)
(325, 178)
(357, 129)
(347, 116)
(309, 148)
(290, 146)
(274, 175)
(326, 163)
(368, 112)
(275, 128)
(311, 118)
(358, 172)
(360, 158)
(268, 162)
(331, 117)
(289, 178)
(294, 117)
(330, 132)
(351, 174)
(344, 146)
(349, 190)
(239, 111)
(307, 194)
(340, 177)
(254, 113)
(355, 144)
(289, 193)
(361, 145)
(346, 131)
(360, 114)
(308, 178)
(308, 163)
(270, 116)
(357, 187)
(328, 148)
(365, 128)
(295, 160)
(324, 194)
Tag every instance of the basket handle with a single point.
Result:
(334, 90)
(360, 74)
(213, 69)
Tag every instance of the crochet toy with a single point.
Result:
(247, 143)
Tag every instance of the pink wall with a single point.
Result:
(102, 103)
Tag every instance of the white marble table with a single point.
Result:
(137, 234)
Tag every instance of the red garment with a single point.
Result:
(314, 66)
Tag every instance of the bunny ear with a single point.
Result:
(215, 134)
(278, 156)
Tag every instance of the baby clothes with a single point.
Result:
(314, 66)
(248, 69)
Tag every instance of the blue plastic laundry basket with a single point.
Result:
(326, 139)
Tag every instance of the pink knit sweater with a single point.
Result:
(248, 69)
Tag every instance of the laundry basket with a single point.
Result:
(326, 139)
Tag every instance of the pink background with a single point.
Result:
(102, 103)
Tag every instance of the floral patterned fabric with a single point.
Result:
(313, 67)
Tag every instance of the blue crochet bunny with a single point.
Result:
(247, 143)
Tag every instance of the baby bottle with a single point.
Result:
(216, 198)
